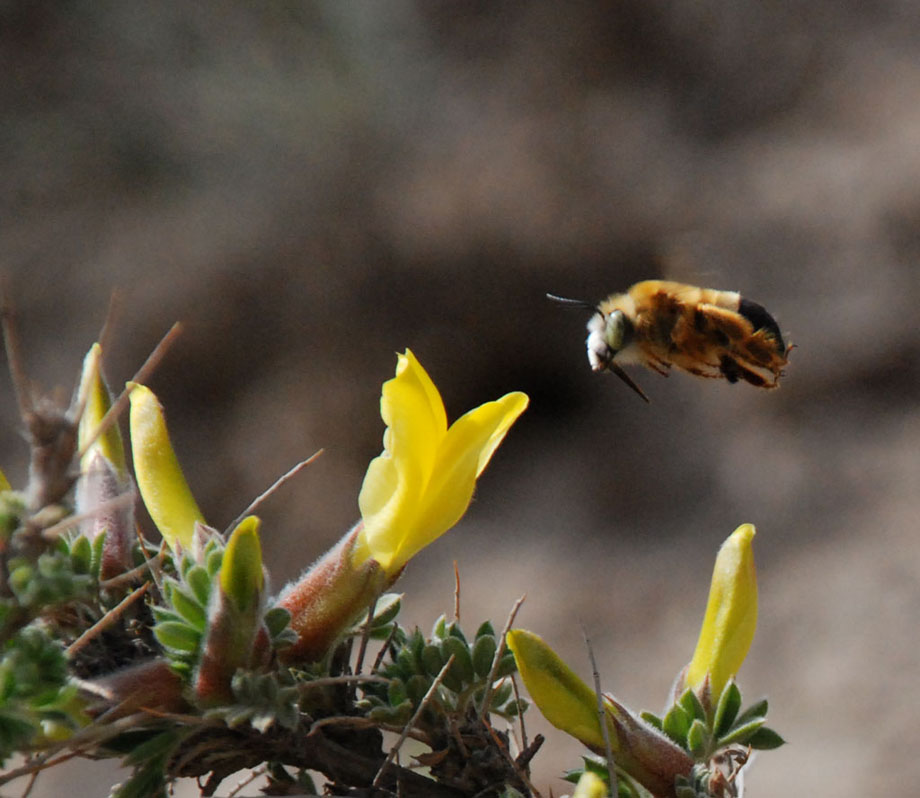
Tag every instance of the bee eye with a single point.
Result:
(615, 330)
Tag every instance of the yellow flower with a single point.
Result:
(162, 485)
(414, 492)
(423, 482)
(731, 617)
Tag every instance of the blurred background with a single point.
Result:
(313, 186)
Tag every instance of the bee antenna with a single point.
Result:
(578, 303)
(627, 379)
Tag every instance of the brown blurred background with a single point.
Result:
(312, 186)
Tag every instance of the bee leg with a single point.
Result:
(730, 368)
(657, 365)
(697, 372)
(734, 371)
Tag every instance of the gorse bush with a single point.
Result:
(175, 659)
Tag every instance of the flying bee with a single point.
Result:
(706, 332)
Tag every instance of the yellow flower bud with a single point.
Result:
(162, 485)
(563, 698)
(241, 574)
(96, 399)
(590, 785)
(731, 618)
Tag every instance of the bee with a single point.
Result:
(703, 331)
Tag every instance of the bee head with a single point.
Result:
(608, 333)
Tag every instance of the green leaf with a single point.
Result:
(276, 621)
(163, 615)
(462, 668)
(440, 628)
(416, 688)
(697, 739)
(454, 630)
(676, 724)
(651, 719)
(199, 580)
(156, 746)
(483, 653)
(177, 636)
(742, 733)
(213, 561)
(727, 709)
(506, 666)
(691, 703)
(81, 555)
(501, 694)
(432, 659)
(485, 629)
(386, 609)
(396, 692)
(188, 607)
(755, 710)
(405, 662)
(765, 739)
(98, 545)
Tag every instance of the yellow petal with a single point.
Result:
(564, 699)
(467, 448)
(413, 411)
(4, 483)
(162, 485)
(94, 394)
(731, 615)
(411, 407)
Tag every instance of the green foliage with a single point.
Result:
(148, 759)
(416, 661)
(35, 696)
(262, 700)
(688, 724)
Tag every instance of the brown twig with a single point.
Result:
(330, 681)
(517, 701)
(383, 651)
(456, 592)
(14, 352)
(365, 636)
(28, 790)
(256, 772)
(106, 620)
(112, 313)
(118, 503)
(130, 576)
(412, 721)
(78, 743)
(288, 475)
(601, 713)
(519, 771)
(496, 660)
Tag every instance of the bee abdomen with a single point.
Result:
(758, 316)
